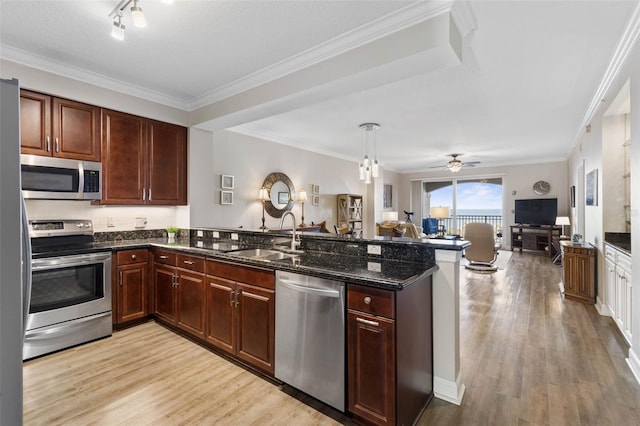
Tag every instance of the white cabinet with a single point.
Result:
(619, 289)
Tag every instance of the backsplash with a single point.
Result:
(105, 218)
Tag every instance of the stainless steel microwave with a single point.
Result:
(53, 178)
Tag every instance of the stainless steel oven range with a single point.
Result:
(70, 299)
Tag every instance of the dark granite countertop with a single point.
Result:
(619, 240)
(378, 272)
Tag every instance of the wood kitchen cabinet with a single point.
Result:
(240, 312)
(389, 352)
(131, 285)
(144, 161)
(579, 273)
(180, 290)
(57, 127)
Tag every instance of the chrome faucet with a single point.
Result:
(294, 243)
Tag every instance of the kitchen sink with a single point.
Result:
(259, 253)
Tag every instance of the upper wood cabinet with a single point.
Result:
(143, 161)
(59, 127)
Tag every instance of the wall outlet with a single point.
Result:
(199, 234)
(374, 266)
(110, 223)
(374, 249)
(216, 234)
(234, 236)
(141, 222)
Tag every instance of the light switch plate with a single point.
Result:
(374, 266)
(374, 249)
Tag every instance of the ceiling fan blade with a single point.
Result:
(470, 163)
(438, 167)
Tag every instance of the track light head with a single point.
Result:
(137, 15)
(117, 30)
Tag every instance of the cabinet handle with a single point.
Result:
(237, 294)
(48, 144)
(364, 321)
(231, 298)
(120, 277)
(163, 257)
(149, 194)
(189, 262)
(57, 145)
(176, 283)
(133, 257)
(144, 194)
(367, 300)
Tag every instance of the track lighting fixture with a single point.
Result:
(139, 20)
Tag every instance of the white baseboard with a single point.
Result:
(634, 364)
(449, 391)
(602, 308)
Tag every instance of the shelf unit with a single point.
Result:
(350, 211)
(537, 238)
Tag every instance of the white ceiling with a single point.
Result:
(528, 73)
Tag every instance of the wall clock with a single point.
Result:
(541, 187)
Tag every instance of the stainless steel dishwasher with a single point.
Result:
(310, 336)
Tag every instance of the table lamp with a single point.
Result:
(441, 212)
(302, 198)
(563, 220)
(389, 216)
(263, 195)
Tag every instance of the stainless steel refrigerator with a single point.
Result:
(15, 257)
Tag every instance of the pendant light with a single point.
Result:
(368, 168)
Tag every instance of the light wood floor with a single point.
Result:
(528, 357)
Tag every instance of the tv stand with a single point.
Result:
(537, 238)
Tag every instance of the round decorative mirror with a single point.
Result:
(281, 194)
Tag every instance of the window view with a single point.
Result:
(450, 205)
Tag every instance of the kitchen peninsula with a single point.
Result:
(388, 300)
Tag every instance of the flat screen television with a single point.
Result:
(536, 211)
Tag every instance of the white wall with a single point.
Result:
(517, 183)
(613, 169)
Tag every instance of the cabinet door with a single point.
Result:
(610, 285)
(582, 276)
(164, 300)
(123, 158)
(621, 300)
(371, 366)
(35, 123)
(191, 302)
(167, 151)
(627, 283)
(132, 292)
(569, 273)
(256, 326)
(76, 130)
(220, 313)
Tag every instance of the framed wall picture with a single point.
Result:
(315, 189)
(591, 188)
(315, 200)
(387, 196)
(226, 182)
(226, 197)
(572, 195)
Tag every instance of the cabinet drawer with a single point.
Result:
(164, 256)
(249, 275)
(610, 253)
(371, 300)
(127, 257)
(623, 260)
(192, 263)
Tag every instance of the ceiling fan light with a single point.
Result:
(137, 16)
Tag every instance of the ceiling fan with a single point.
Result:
(455, 165)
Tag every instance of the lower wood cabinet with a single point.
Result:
(579, 275)
(180, 290)
(389, 352)
(130, 285)
(240, 312)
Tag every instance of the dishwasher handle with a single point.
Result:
(310, 290)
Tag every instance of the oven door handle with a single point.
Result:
(35, 334)
(70, 261)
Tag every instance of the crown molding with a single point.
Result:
(463, 17)
(624, 47)
(54, 67)
(408, 16)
